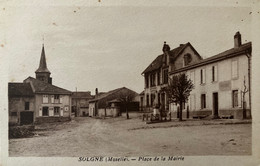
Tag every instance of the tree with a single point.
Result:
(126, 99)
(178, 90)
(244, 91)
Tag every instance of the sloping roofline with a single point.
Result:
(159, 57)
(244, 48)
(40, 86)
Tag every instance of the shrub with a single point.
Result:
(21, 131)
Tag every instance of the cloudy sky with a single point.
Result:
(109, 46)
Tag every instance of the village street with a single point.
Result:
(85, 136)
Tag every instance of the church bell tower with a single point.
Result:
(42, 73)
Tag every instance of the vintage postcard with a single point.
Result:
(129, 82)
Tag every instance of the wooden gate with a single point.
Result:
(26, 117)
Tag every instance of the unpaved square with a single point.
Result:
(86, 136)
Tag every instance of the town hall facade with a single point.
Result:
(222, 83)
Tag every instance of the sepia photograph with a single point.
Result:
(124, 83)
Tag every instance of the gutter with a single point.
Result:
(248, 54)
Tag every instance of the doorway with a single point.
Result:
(215, 105)
(26, 117)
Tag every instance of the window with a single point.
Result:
(146, 81)
(158, 78)
(45, 111)
(45, 99)
(26, 105)
(235, 98)
(147, 100)
(187, 59)
(203, 101)
(165, 76)
(56, 111)
(214, 73)
(202, 76)
(152, 79)
(234, 69)
(56, 98)
(152, 99)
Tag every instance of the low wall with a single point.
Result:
(236, 113)
(114, 112)
(51, 119)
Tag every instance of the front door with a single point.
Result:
(163, 101)
(45, 111)
(215, 105)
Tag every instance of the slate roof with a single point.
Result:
(224, 55)
(20, 90)
(43, 65)
(158, 62)
(86, 95)
(45, 88)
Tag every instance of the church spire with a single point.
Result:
(43, 64)
(42, 73)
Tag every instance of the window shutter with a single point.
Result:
(51, 111)
(203, 76)
(216, 73)
(52, 98)
(61, 111)
(40, 111)
(61, 98)
(234, 69)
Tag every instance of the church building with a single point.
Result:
(36, 100)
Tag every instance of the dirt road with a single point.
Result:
(120, 137)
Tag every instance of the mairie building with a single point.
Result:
(222, 83)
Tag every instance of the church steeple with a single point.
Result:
(42, 73)
(43, 64)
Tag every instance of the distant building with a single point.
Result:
(37, 100)
(109, 104)
(80, 103)
(156, 74)
(21, 103)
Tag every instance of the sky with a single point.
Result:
(108, 47)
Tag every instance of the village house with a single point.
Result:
(37, 100)
(80, 103)
(221, 84)
(156, 74)
(109, 103)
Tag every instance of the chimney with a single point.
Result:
(96, 91)
(166, 49)
(237, 40)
